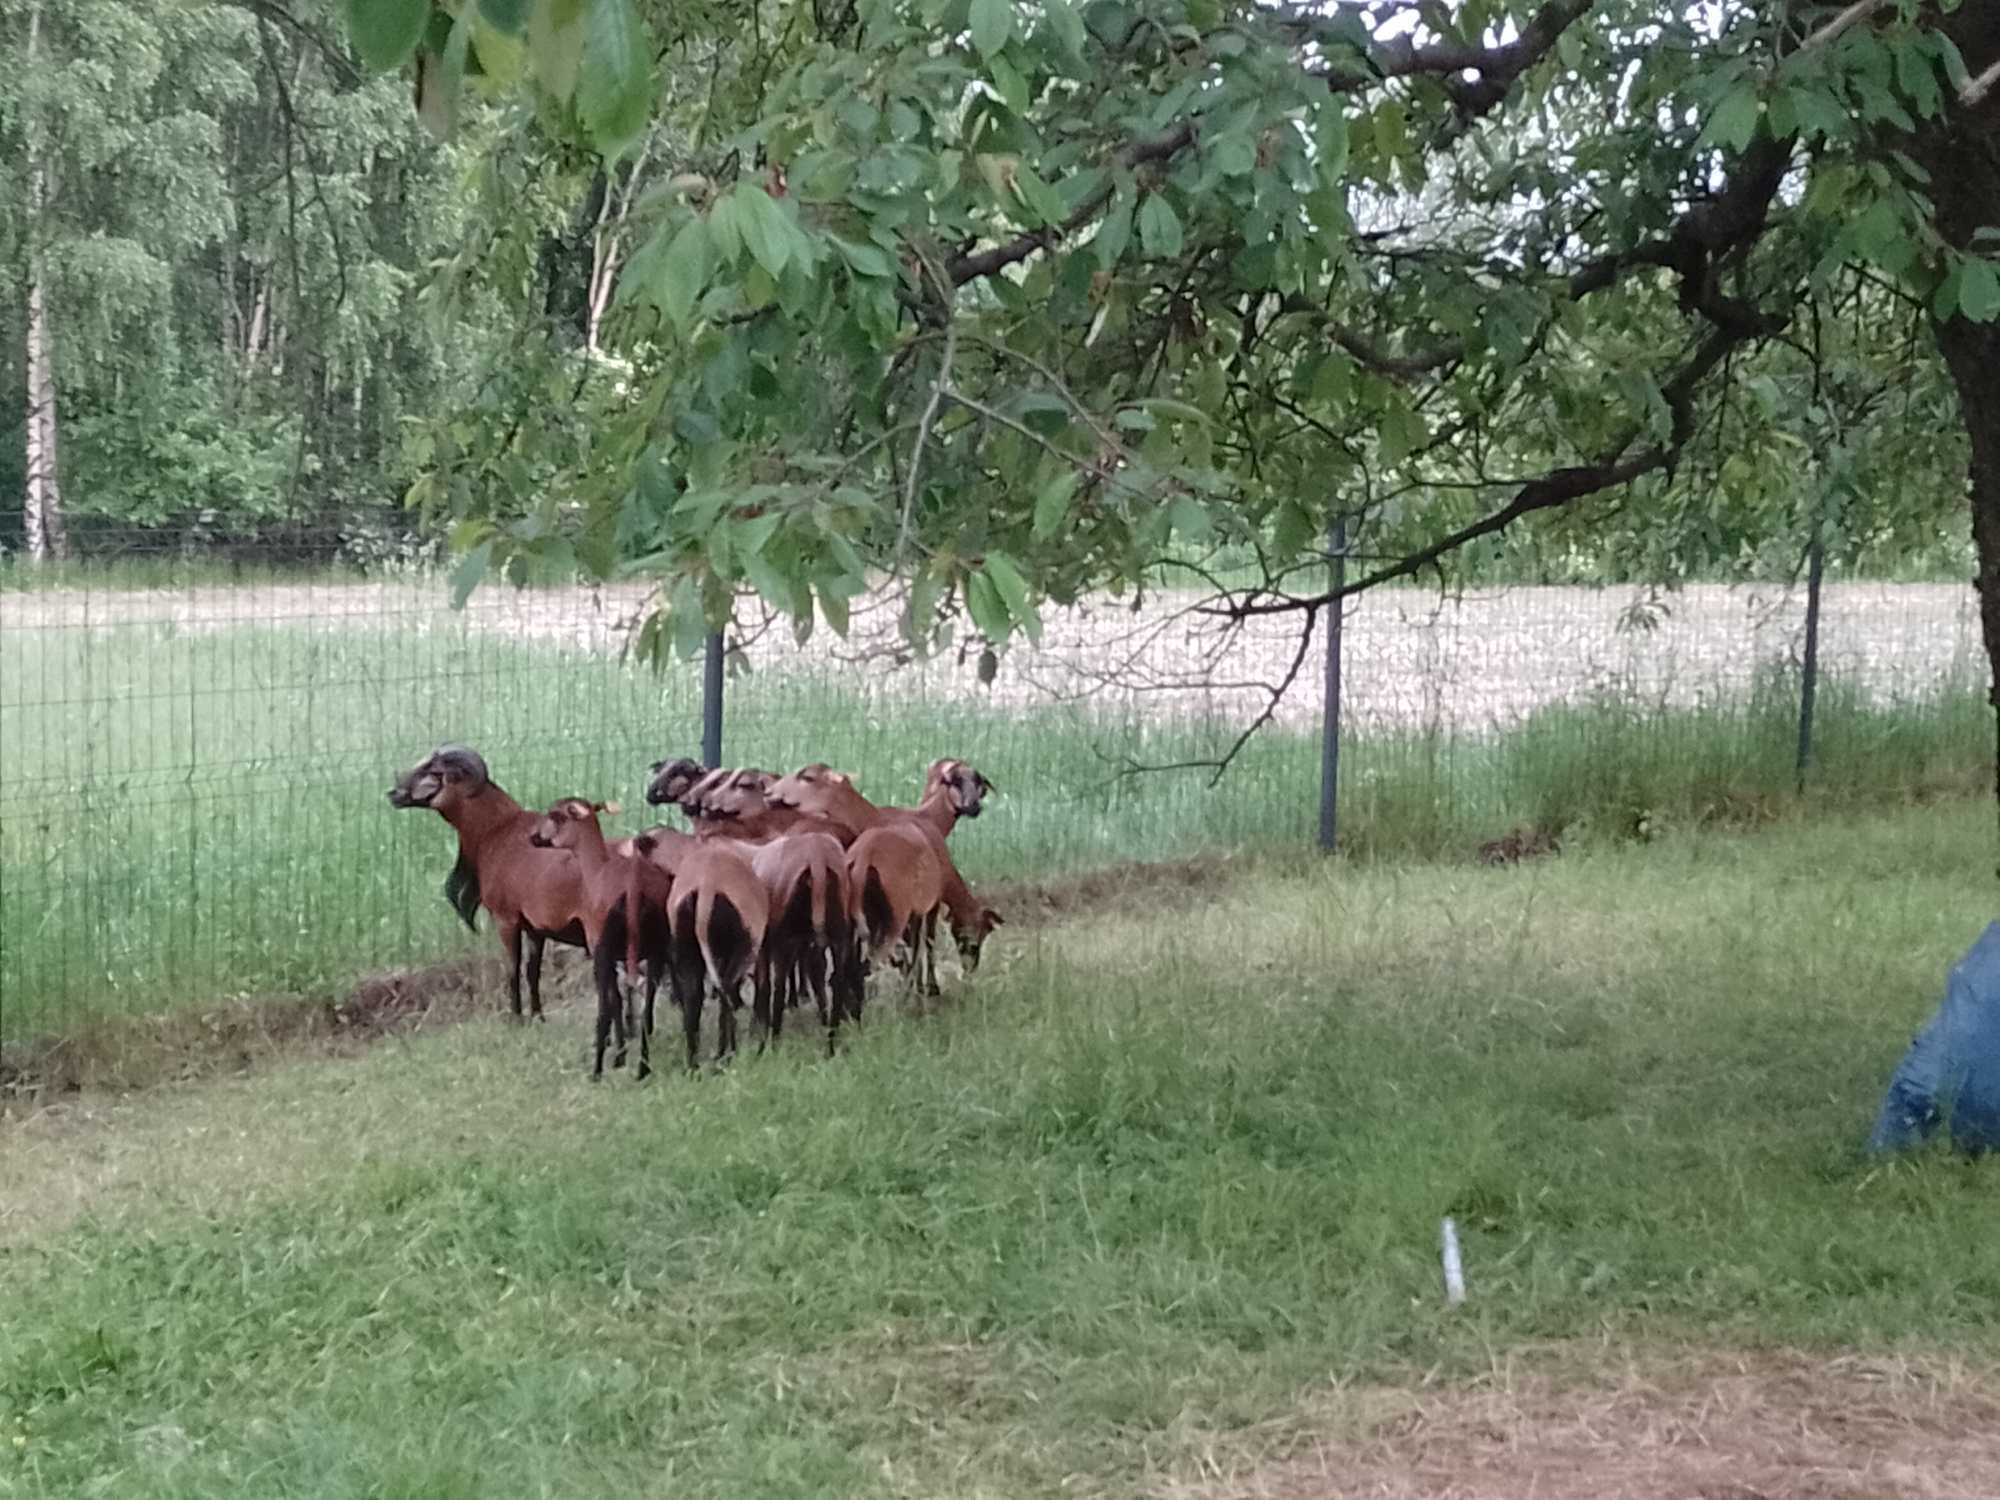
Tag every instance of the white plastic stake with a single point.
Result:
(1454, 1271)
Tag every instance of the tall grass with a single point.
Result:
(1159, 1179)
(194, 812)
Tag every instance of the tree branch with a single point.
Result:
(1549, 491)
(963, 268)
(1832, 31)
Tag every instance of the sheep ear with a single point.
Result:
(607, 807)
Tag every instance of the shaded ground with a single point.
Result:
(1753, 1428)
(121, 1053)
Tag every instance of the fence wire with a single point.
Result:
(194, 753)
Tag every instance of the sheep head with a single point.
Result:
(442, 779)
(671, 780)
(560, 827)
(966, 787)
(971, 937)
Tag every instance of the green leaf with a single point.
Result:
(766, 230)
(1175, 411)
(555, 45)
(1068, 27)
(1979, 291)
(1733, 124)
(1052, 504)
(1013, 587)
(471, 568)
(1008, 82)
(1944, 301)
(865, 259)
(1039, 196)
(1333, 379)
(992, 22)
(1400, 433)
(510, 16)
(1159, 228)
(835, 609)
(386, 32)
(769, 581)
(725, 229)
(1190, 518)
(614, 96)
(683, 270)
(1115, 232)
(500, 53)
(989, 611)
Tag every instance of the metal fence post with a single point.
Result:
(1809, 668)
(711, 702)
(1329, 749)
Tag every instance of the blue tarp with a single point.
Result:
(1951, 1074)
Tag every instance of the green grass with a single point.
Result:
(192, 813)
(1161, 1175)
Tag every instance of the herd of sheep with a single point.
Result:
(798, 884)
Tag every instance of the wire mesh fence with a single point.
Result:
(194, 756)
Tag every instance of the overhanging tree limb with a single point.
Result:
(1549, 491)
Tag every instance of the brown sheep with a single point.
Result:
(954, 790)
(812, 930)
(898, 882)
(720, 916)
(532, 893)
(625, 915)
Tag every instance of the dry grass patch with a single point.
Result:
(1762, 1427)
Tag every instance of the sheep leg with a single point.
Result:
(929, 935)
(536, 943)
(510, 942)
(815, 967)
(729, 1000)
(645, 1026)
(687, 988)
(610, 1005)
(762, 997)
(783, 994)
(850, 981)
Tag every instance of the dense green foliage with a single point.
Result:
(236, 225)
(1013, 299)
(1141, 1189)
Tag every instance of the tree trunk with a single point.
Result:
(42, 515)
(1961, 152)
(568, 266)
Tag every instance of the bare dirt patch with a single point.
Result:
(1753, 1428)
(120, 1053)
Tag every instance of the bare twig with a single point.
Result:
(1832, 31)
(1220, 765)
(939, 388)
(1557, 488)
(1976, 89)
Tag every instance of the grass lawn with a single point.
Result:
(1162, 1188)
